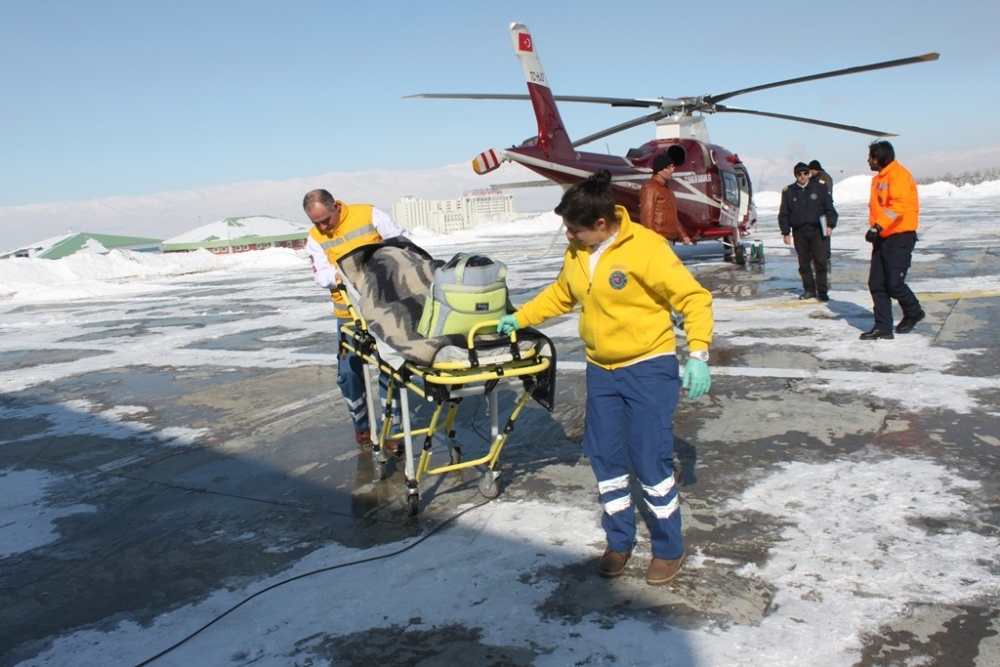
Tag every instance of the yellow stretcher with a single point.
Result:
(475, 364)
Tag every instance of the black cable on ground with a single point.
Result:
(302, 576)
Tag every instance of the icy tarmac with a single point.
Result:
(179, 484)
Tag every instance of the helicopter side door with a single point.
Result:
(747, 212)
(732, 208)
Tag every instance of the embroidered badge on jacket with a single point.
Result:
(617, 280)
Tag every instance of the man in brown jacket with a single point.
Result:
(657, 203)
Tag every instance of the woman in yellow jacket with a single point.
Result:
(627, 281)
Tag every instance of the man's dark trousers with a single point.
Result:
(887, 278)
(810, 247)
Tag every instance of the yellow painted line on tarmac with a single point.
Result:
(926, 378)
(948, 296)
(780, 304)
(923, 296)
(298, 405)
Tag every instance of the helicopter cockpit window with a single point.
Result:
(730, 188)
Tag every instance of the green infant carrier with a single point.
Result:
(466, 291)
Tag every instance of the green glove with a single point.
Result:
(696, 378)
(507, 325)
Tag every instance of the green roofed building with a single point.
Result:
(58, 247)
(230, 235)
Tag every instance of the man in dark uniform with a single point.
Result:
(804, 205)
(816, 169)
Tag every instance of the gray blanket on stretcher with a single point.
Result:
(388, 284)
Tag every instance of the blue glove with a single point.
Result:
(507, 325)
(696, 378)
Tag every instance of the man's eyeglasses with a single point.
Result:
(802, 173)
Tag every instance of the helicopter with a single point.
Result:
(712, 185)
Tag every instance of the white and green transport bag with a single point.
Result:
(466, 291)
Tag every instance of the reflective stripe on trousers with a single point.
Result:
(629, 423)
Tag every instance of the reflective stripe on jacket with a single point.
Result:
(354, 230)
(893, 204)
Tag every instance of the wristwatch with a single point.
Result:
(700, 355)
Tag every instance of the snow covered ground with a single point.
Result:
(859, 541)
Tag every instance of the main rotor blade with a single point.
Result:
(522, 184)
(712, 99)
(811, 121)
(612, 101)
(661, 102)
(465, 96)
(621, 127)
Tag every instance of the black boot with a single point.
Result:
(907, 323)
(875, 334)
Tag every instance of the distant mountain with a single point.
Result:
(166, 214)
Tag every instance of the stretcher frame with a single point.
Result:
(445, 384)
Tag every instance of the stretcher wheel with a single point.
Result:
(381, 468)
(489, 484)
(412, 504)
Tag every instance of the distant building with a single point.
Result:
(257, 232)
(444, 216)
(58, 247)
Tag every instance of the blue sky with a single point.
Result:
(114, 98)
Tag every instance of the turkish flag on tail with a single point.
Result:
(524, 41)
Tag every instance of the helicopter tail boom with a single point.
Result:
(552, 136)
